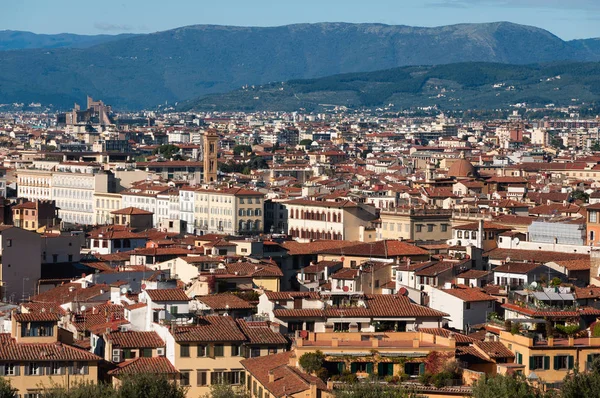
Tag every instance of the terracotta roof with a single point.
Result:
(211, 328)
(469, 294)
(260, 333)
(225, 301)
(287, 380)
(314, 247)
(132, 211)
(517, 268)
(299, 313)
(167, 295)
(346, 273)
(152, 365)
(392, 305)
(383, 248)
(460, 338)
(321, 203)
(276, 296)
(435, 269)
(473, 274)
(10, 350)
(494, 349)
(70, 292)
(535, 313)
(135, 339)
(541, 256)
(37, 316)
(583, 264)
(487, 226)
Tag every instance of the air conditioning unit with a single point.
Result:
(160, 352)
(117, 355)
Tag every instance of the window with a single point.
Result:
(201, 351)
(418, 227)
(33, 369)
(234, 377)
(563, 362)
(429, 227)
(55, 258)
(235, 350)
(9, 243)
(219, 350)
(272, 350)
(55, 368)
(184, 351)
(444, 227)
(459, 234)
(467, 305)
(539, 362)
(201, 377)
(10, 369)
(146, 353)
(174, 310)
(254, 352)
(593, 216)
(185, 378)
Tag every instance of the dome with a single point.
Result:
(461, 168)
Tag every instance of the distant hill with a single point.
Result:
(19, 40)
(179, 64)
(471, 85)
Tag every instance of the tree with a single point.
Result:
(311, 362)
(374, 390)
(239, 149)
(580, 195)
(583, 384)
(150, 386)
(168, 151)
(557, 142)
(226, 391)
(306, 142)
(6, 390)
(504, 386)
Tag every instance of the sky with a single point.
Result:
(568, 19)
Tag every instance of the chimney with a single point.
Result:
(480, 235)
(271, 376)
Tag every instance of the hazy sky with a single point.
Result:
(568, 19)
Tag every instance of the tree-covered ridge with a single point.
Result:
(472, 85)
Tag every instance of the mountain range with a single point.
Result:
(460, 86)
(141, 71)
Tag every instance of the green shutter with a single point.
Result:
(589, 358)
(341, 366)
(556, 363)
(517, 359)
(370, 367)
(353, 367)
(571, 361)
(520, 359)
(546, 362)
(531, 363)
(422, 368)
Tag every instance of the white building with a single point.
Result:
(466, 307)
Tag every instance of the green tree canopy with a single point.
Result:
(226, 391)
(238, 149)
(168, 151)
(501, 386)
(306, 142)
(311, 362)
(374, 390)
(583, 384)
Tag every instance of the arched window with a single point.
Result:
(328, 216)
(242, 225)
(257, 225)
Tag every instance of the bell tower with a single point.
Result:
(211, 141)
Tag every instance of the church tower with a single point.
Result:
(211, 141)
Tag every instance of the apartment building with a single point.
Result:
(143, 196)
(73, 188)
(34, 215)
(104, 203)
(311, 219)
(210, 351)
(233, 211)
(34, 184)
(33, 357)
(415, 224)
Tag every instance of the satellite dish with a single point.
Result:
(508, 259)
(534, 284)
(189, 247)
(517, 241)
(124, 290)
(83, 308)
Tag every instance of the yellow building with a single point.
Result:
(553, 358)
(415, 224)
(210, 351)
(35, 356)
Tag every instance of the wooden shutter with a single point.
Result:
(556, 366)
(86, 369)
(531, 363)
(17, 369)
(546, 362)
(571, 361)
(422, 368)
(370, 367)
(353, 367)
(3, 369)
(341, 367)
